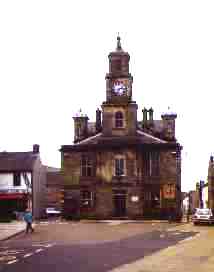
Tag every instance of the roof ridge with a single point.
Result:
(151, 136)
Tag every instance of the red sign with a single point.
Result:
(169, 191)
(12, 196)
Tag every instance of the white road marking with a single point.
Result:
(9, 252)
(189, 238)
(49, 245)
(28, 255)
(39, 250)
(7, 258)
(185, 240)
(11, 262)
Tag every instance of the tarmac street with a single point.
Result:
(110, 246)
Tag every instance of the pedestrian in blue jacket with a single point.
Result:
(28, 219)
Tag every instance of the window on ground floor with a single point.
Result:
(16, 179)
(86, 199)
(152, 199)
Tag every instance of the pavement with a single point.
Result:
(111, 247)
(9, 230)
(191, 254)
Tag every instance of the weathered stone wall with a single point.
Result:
(71, 168)
(129, 112)
(104, 202)
(105, 165)
(211, 183)
(133, 181)
(54, 197)
(38, 189)
(168, 170)
(170, 173)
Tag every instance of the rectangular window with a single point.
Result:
(151, 162)
(86, 198)
(86, 166)
(119, 167)
(155, 158)
(146, 164)
(119, 123)
(119, 119)
(16, 179)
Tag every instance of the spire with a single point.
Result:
(119, 47)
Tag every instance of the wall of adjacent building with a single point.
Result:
(211, 183)
(205, 196)
(39, 189)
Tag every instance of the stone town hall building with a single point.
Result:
(119, 167)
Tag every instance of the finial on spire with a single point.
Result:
(119, 47)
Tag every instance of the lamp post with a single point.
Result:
(201, 185)
(189, 207)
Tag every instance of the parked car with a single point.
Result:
(52, 212)
(203, 216)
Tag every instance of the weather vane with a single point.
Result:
(119, 47)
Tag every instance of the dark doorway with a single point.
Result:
(71, 208)
(119, 198)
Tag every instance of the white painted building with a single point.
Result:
(22, 182)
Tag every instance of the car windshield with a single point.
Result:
(203, 212)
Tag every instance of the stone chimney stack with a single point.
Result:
(144, 111)
(98, 120)
(151, 111)
(169, 125)
(80, 126)
(35, 148)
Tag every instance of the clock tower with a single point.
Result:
(119, 111)
(118, 80)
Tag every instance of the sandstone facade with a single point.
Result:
(119, 166)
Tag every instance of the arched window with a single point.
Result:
(118, 119)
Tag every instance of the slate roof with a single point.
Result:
(99, 141)
(17, 161)
(140, 138)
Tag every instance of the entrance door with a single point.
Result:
(119, 203)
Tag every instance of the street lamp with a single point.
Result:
(200, 194)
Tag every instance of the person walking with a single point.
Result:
(28, 218)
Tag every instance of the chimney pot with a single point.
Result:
(35, 148)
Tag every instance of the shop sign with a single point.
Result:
(169, 191)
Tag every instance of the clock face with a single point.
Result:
(119, 88)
